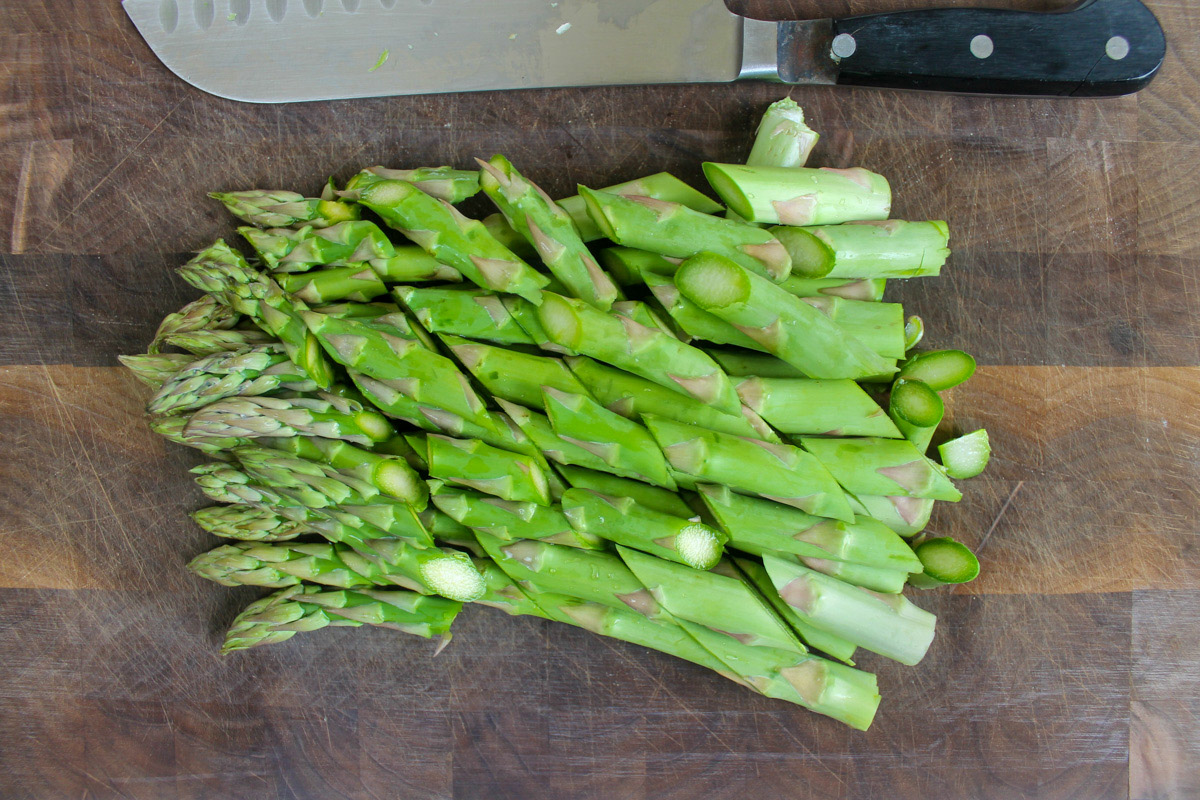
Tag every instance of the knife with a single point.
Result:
(279, 51)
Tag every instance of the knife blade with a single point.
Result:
(276, 51)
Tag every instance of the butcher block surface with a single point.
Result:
(1069, 669)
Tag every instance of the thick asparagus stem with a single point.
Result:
(966, 456)
(248, 524)
(829, 407)
(875, 466)
(782, 139)
(692, 319)
(624, 521)
(916, 410)
(945, 561)
(324, 415)
(452, 239)
(782, 323)
(444, 183)
(357, 283)
(488, 469)
(778, 472)
(869, 289)
(636, 348)
(463, 311)
(347, 243)
(907, 516)
(746, 364)
(890, 248)
(885, 624)
(880, 326)
(511, 521)
(155, 369)
(940, 369)
(512, 375)
(259, 371)
(662, 500)
(625, 446)
(202, 314)
(268, 208)
(410, 263)
(628, 265)
(760, 526)
(800, 195)
(671, 229)
(887, 581)
(532, 213)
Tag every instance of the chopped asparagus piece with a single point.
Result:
(869, 289)
(887, 581)
(692, 319)
(916, 410)
(800, 195)
(907, 516)
(914, 332)
(941, 369)
(512, 375)
(463, 311)
(508, 475)
(782, 139)
(410, 263)
(875, 466)
(966, 456)
(828, 407)
(945, 561)
(357, 283)
(745, 364)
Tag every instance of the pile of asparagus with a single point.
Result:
(690, 426)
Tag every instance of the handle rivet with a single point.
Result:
(981, 46)
(844, 45)
(1116, 48)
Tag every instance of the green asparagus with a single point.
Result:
(800, 195)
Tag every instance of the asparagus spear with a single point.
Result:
(391, 474)
(880, 326)
(778, 472)
(174, 429)
(625, 446)
(760, 526)
(829, 407)
(695, 321)
(202, 314)
(885, 624)
(512, 375)
(248, 524)
(887, 581)
(628, 266)
(671, 229)
(966, 456)
(890, 248)
(661, 500)
(723, 602)
(745, 364)
(444, 183)
(463, 311)
(784, 324)
(409, 264)
(644, 314)
(207, 342)
(636, 348)
(480, 466)
(549, 229)
(624, 521)
(268, 208)
(944, 561)
(869, 289)
(221, 271)
(940, 369)
(258, 371)
(812, 636)
(154, 369)
(346, 243)
(452, 239)
(276, 565)
(916, 410)
(800, 195)
(875, 466)
(782, 139)
(324, 415)
(278, 617)
(906, 516)
(358, 283)
(503, 593)
(510, 521)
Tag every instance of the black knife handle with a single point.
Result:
(1099, 48)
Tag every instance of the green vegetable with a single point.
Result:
(966, 456)
(800, 195)
(945, 561)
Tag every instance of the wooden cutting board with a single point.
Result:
(1070, 669)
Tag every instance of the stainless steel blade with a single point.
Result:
(272, 51)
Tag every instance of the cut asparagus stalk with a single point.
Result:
(511, 521)
(507, 475)
(205, 343)
(885, 624)
(539, 431)
(966, 456)
(800, 195)
(744, 364)
(409, 264)
(887, 581)
(760, 526)
(828, 407)
(890, 248)
(628, 266)
(325, 415)
(723, 602)
(287, 250)
(624, 521)
(907, 516)
(392, 475)
(945, 561)
(778, 472)
(512, 375)
(268, 208)
(868, 289)
(248, 524)
(452, 239)
(784, 324)
(881, 467)
(357, 283)
(199, 315)
(692, 319)
(636, 348)
(277, 565)
(526, 315)
(782, 139)
(221, 271)
(663, 501)
(386, 349)
(532, 213)
(632, 396)
(671, 229)
(259, 371)
(812, 636)
(155, 369)
(880, 326)
(825, 687)
(463, 311)
(914, 332)
(940, 369)
(444, 183)
(916, 410)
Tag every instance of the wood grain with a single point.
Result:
(1068, 670)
